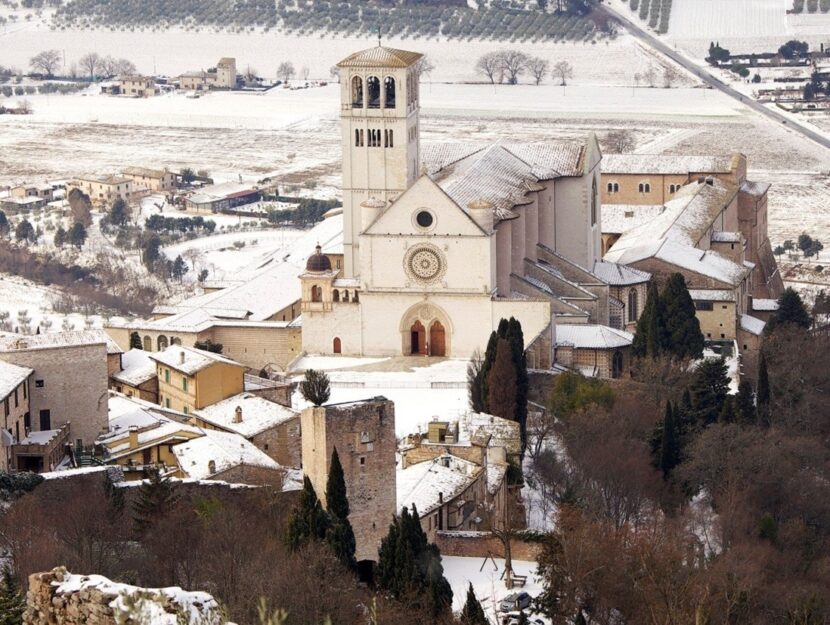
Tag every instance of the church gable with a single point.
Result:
(424, 209)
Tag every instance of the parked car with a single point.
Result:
(515, 601)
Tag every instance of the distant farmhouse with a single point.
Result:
(223, 76)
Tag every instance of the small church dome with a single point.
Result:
(373, 202)
(318, 261)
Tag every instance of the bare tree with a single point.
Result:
(46, 62)
(650, 76)
(423, 67)
(489, 65)
(334, 72)
(620, 141)
(286, 71)
(563, 71)
(538, 68)
(304, 72)
(670, 76)
(250, 74)
(108, 66)
(124, 67)
(513, 63)
(90, 63)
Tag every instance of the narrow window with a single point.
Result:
(356, 138)
(373, 92)
(184, 384)
(357, 92)
(389, 92)
(632, 305)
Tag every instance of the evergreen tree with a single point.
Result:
(745, 404)
(60, 237)
(116, 501)
(4, 224)
(729, 411)
(77, 235)
(119, 213)
(315, 387)
(709, 388)
(763, 396)
(670, 443)
(474, 382)
(309, 521)
(683, 337)
(151, 252)
(12, 601)
(179, 268)
(339, 534)
(501, 383)
(25, 232)
(473, 613)
(489, 358)
(791, 310)
(135, 341)
(648, 336)
(155, 496)
(515, 337)
(409, 566)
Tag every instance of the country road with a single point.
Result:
(654, 42)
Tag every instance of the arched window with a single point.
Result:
(644, 187)
(594, 202)
(148, 344)
(357, 92)
(373, 92)
(354, 298)
(388, 139)
(335, 295)
(174, 340)
(633, 307)
(345, 296)
(336, 345)
(162, 342)
(389, 92)
(316, 294)
(613, 187)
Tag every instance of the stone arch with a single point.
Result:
(346, 295)
(316, 293)
(148, 344)
(162, 342)
(335, 295)
(426, 314)
(373, 92)
(337, 345)
(389, 92)
(357, 92)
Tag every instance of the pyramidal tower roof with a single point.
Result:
(381, 56)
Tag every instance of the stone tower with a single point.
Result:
(379, 120)
(364, 434)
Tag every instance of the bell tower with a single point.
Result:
(379, 103)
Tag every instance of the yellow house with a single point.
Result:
(190, 378)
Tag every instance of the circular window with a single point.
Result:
(424, 219)
(424, 263)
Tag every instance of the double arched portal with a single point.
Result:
(425, 331)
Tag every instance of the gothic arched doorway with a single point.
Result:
(437, 342)
(417, 338)
(617, 364)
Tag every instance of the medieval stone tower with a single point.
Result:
(364, 434)
(379, 120)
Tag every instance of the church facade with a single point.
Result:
(440, 243)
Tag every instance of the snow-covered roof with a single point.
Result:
(495, 476)
(764, 305)
(215, 192)
(53, 340)
(137, 366)
(719, 236)
(224, 449)
(152, 428)
(190, 360)
(258, 414)
(712, 295)
(619, 275)
(752, 325)
(145, 172)
(12, 376)
(756, 189)
(664, 164)
(42, 437)
(381, 56)
(620, 218)
(422, 483)
(590, 336)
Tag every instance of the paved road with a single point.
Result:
(651, 40)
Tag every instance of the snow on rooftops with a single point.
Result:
(712, 295)
(145, 172)
(223, 449)
(665, 164)
(138, 367)
(589, 336)
(620, 218)
(381, 56)
(764, 305)
(143, 605)
(190, 360)
(719, 236)
(619, 275)
(42, 437)
(756, 189)
(12, 376)
(495, 476)
(54, 340)
(214, 192)
(257, 414)
(752, 325)
(422, 483)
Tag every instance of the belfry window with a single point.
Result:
(373, 92)
(357, 92)
(389, 92)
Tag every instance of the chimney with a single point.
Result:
(181, 357)
(133, 436)
(237, 414)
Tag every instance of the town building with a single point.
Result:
(593, 350)
(136, 376)
(223, 76)
(104, 190)
(272, 428)
(44, 191)
(159, 180)
(229, 457)
(225, 196)
(137, 86)
(190, 379)
(14, 394)
(14, 205)
(363, 433)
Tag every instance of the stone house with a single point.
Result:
(44, 191)
(104, 190)
(152, 179)
(14, 393)
(594, 350)
(223, 76)
(272, 428)
(137, 86)
(137, 376)
(190, 379)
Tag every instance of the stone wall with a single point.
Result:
(482, 544)
(59, 598)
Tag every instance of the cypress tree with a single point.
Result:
(309, 521)
(763, 396)
(489, 358)
(135, 341)
(683, 337)
(729, 411)
(648, 336)
(708, 390)
(155, 496)
(670, 443)
(515, 337)
(474, 382)
(745, 404)
(473, 613)
(12, 601)
(339, 534)
(501, 383)
(791, 310)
